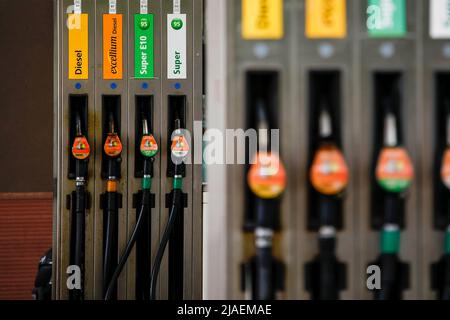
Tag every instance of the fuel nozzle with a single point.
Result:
(263, 275)
(329, 171)
(148, 149)
(113, 145)
(149, 146)
(325, 276)
(442, 268)
(180, 147)
(394, 170)
(80, 151)
(325, 124)
(394, 173)
(267, 175)
(445, 163)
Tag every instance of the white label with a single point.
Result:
(176, 6)
(112, 6)
(144, 7)
(176, 46)
(439, 19)
(77, 6)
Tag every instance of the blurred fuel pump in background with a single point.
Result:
(263, 275)
(329, 176)
(394, 173)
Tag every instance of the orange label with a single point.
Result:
(81, 148)
(267, 176)
(112, 46)
(78, 52)
(113, 145)
(180, 147)
(394, 170)
(329, 171)
(445, 168)
(149, 147)
(326, 19)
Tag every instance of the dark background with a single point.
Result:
(26, 142)
(26, 95)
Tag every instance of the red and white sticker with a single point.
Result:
(445, 168)
(180, 147)
(81, 148)
(329, 171)
(113, 145)
(267, 176)
(149, 147)
(394, 170)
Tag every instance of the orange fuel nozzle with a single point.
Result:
(80, 148)
(113, 145)
(149, 146)
(394, 171)
(329, 171)
(267, 176)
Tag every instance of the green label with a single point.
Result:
(390, 241)
(395, 185)
(447, 242)
(386, 18)
(144, 66)
(177, 24)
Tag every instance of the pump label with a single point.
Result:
(440, 19)
(78, 46)
(149, 147)
(386, 18)
(113, 145)
(144, 66)
(267, 176)
(394, 171)
(176, 46)
(81, 148)
(445, 168)
(112, 46)
(329, 171)
(326, 19)
(262, 19)
(180, 147)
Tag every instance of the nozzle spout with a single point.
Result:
(390, 130)
(111, 123)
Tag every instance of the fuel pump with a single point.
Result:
(179, 151)
(443, 267)
(329, 177)
(81, 152)
(111, 203)
(264, 274)
(394, 173)
(148, 149)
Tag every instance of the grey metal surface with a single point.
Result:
(356, 57)
(434, 58)
(404, 61)
(95, 87)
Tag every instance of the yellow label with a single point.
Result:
(326, 19)
(112, 46)
(262, 19)
(78, 46)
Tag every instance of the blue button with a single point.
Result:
(78, 86)
(144, 85)
(113, 85)
(177, 85)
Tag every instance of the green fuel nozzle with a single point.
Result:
(149, 149)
